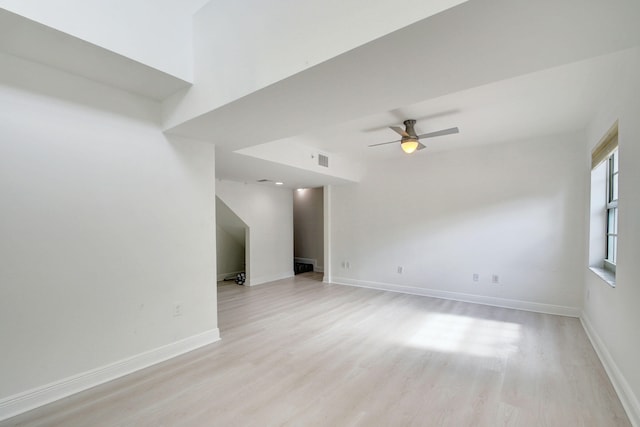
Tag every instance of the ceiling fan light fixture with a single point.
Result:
(409, 145)
(410, 141)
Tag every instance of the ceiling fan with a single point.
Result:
(410, 141)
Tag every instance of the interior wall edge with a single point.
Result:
(48, 393)
(629, 400)
(558, 310)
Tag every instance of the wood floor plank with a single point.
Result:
(298, 352)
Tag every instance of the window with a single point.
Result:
(612, 212)
(603, 238)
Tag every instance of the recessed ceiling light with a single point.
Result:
(279, 183)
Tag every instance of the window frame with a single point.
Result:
(604, 212)
(611, 234)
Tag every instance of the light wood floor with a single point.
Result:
(301, 353)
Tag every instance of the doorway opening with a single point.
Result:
(308, 230)
(231, 245)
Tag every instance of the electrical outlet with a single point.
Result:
(400, 269)
(476, 277)
(495, 279)
(177, 309)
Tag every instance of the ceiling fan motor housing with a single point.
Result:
(408, 124)
(410, 130)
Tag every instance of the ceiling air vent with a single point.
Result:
(323, 160)
(264, 180)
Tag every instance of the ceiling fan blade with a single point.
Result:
(384, 143)
(420, 146)
(399, 130)
(440, 133)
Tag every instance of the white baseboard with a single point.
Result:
(458, 296)
(223, 276)
(31, 399)
(629, 400)
(254, 281)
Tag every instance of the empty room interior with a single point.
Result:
(455, 181)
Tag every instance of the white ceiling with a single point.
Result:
(499, 70)
(553, 101)
(237, 167)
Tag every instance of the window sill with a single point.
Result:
(606, 275)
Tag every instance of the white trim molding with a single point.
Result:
(458, 296)
(31, 399)
(629, 400)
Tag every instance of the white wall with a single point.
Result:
(105, 225)
(611, 315)
(308, 225)
(268, 213)
(158, 33)
(514, 210)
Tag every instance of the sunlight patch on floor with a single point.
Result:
(462, 334)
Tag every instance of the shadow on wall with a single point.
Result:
(231, 234)
(44, 83)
